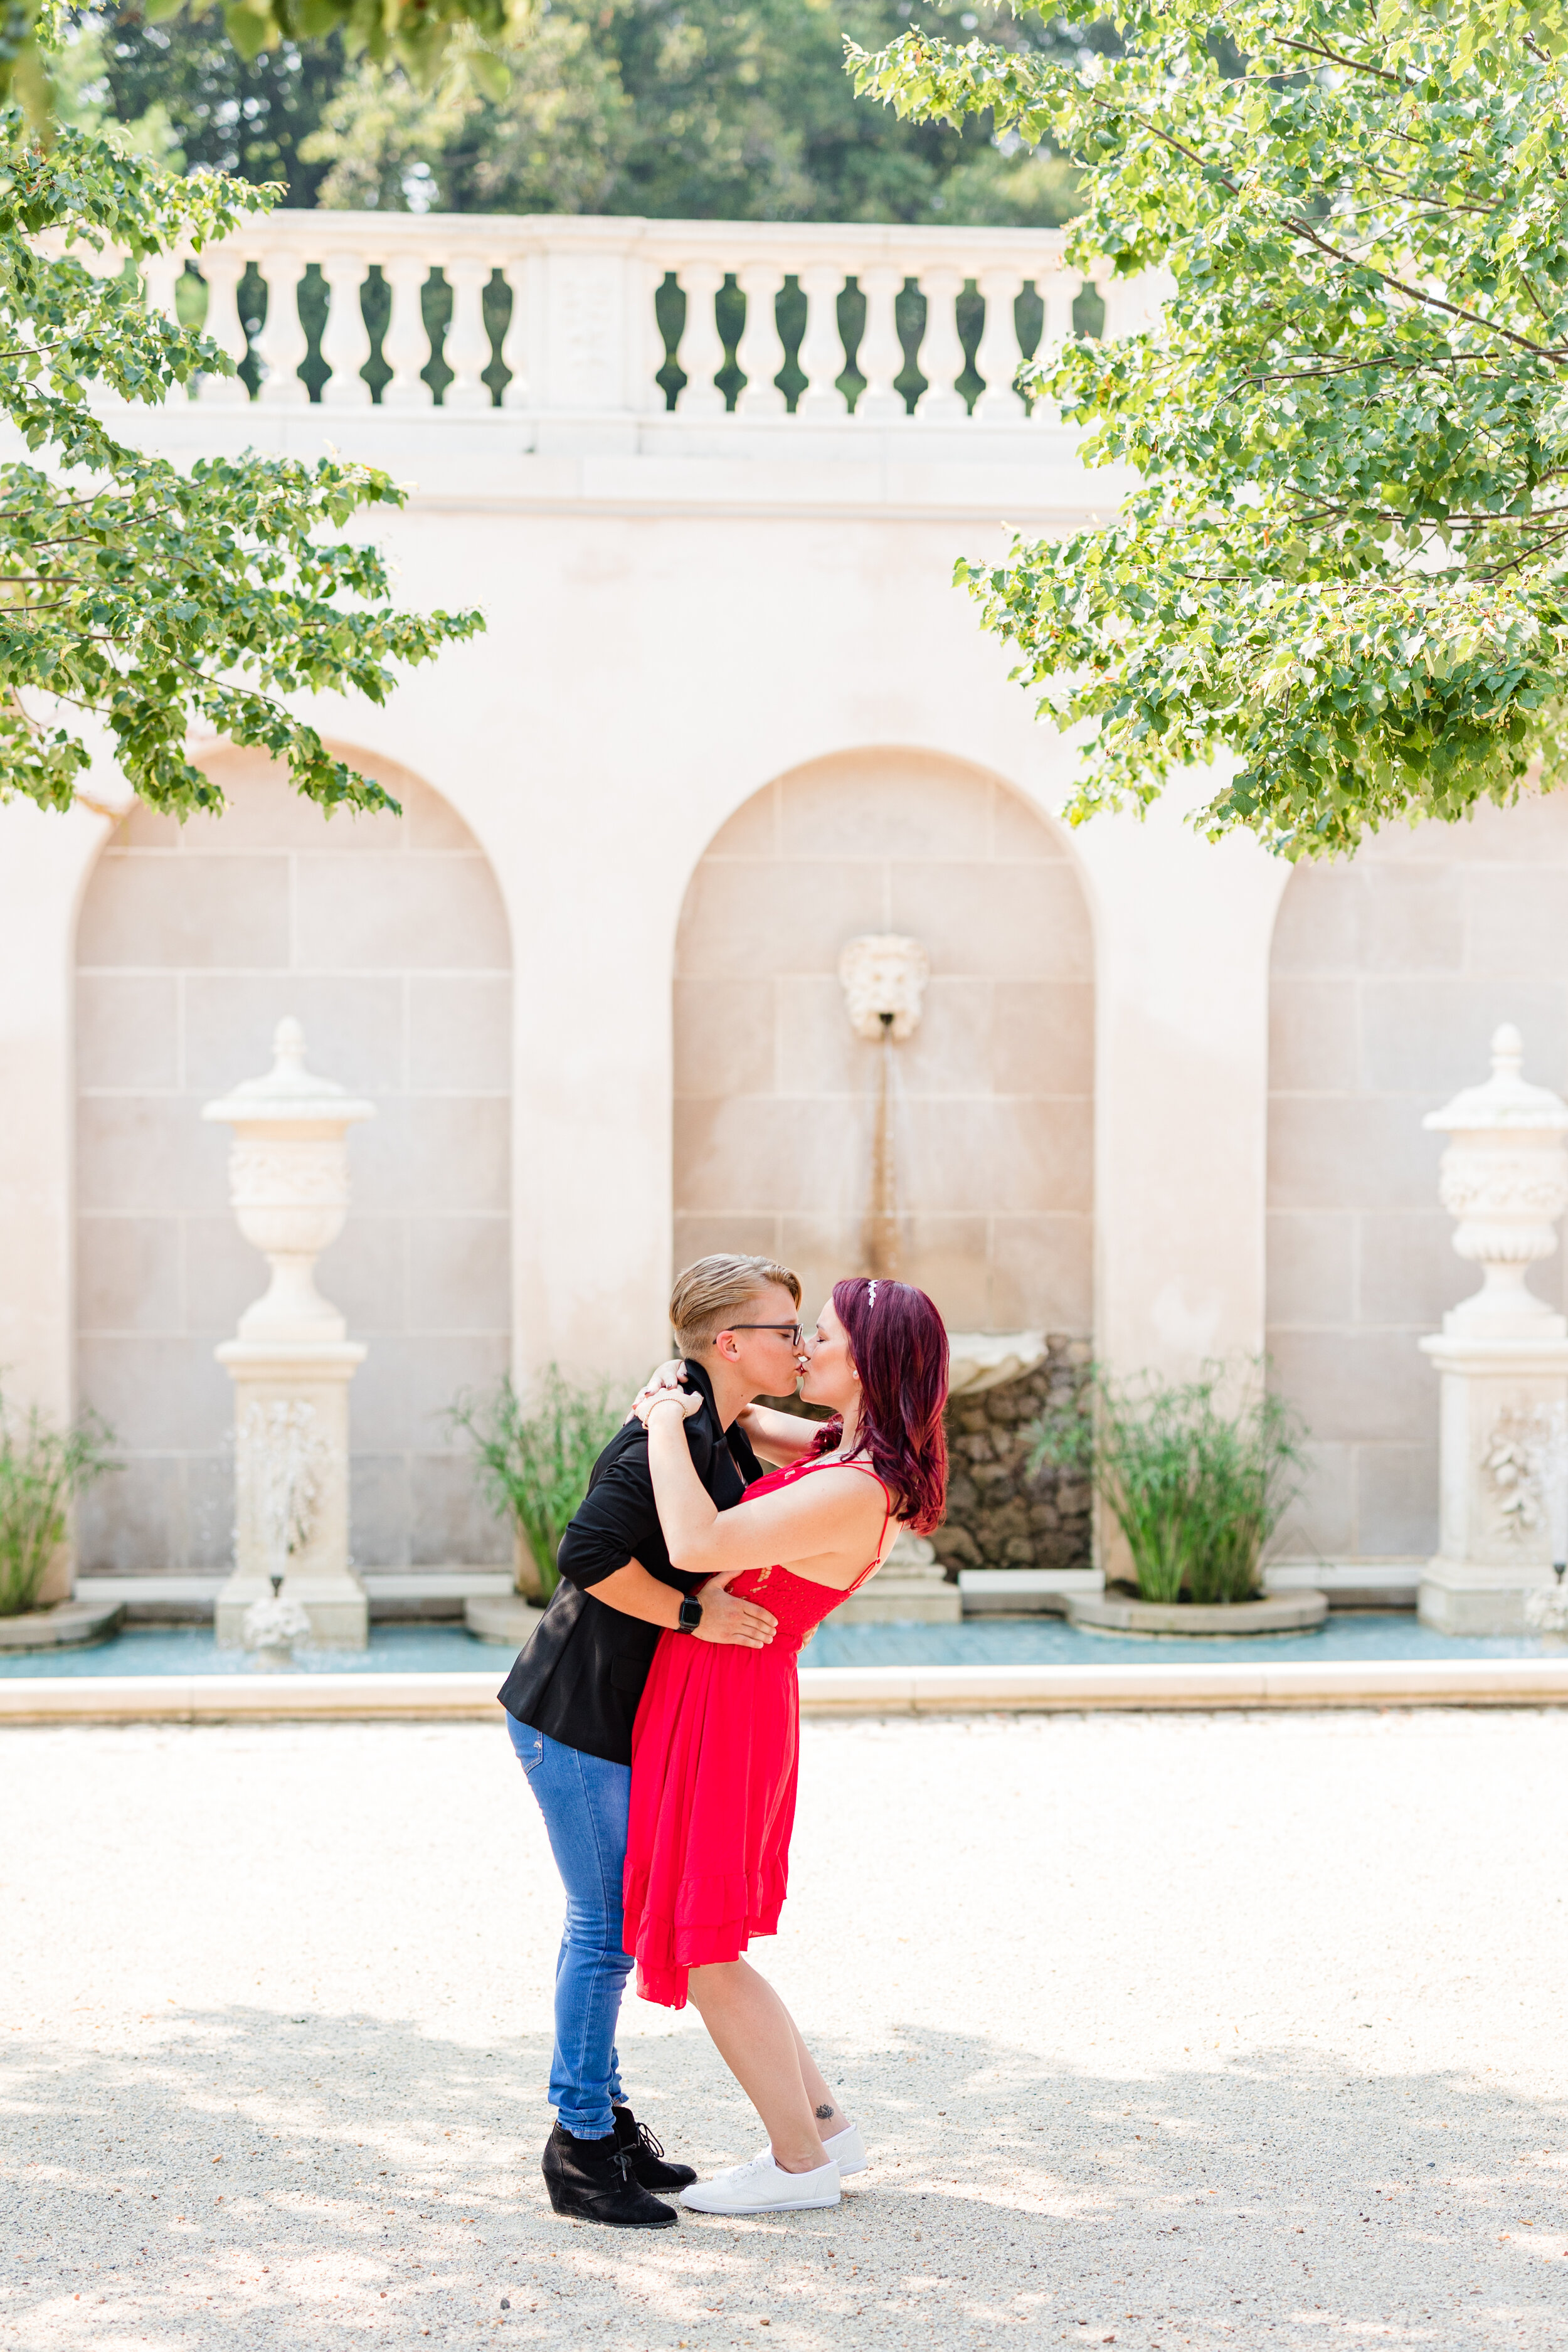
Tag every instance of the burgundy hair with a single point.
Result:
(899, 1347)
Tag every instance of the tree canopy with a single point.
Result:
(1343, 569)
(687, 109)
(135, 596)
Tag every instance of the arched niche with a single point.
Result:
(386, 938)
(774, 1093)
(1389, 973)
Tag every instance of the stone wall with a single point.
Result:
(1391, 970)
(993, 1109)
(998, 1515)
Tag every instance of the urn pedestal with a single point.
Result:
(1501, 1355)
(292, 1361)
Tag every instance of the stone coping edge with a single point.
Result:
(68, 1625)
(1278, 1612)
(823, 1690)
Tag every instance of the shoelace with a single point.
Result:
(645, 2141)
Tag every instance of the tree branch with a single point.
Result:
(1333, 57)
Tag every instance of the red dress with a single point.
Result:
(715, 1754)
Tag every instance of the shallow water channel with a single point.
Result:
(994, 1642)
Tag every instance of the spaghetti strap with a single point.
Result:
(852, 1462)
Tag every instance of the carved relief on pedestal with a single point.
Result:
(282, 1460)
(1522, 1456)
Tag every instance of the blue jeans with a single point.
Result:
(584, 1801)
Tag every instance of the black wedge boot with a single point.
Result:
(596, 2181)
(648, 2165)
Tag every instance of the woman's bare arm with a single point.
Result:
(779, 1437)
(725, 1616)
(824, 1526)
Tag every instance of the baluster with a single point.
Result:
(1133, 305)
(159, 272)
(405, 347)
(760, 354)
(702, 352)
(223, 268)
(1059, 289)
(998, 355)
(282, 343)
(468, 345)
(881, 355)
(345, 339)
(941, 352)
(822, 345)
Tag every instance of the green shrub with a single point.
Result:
(41, 1468)
(1196, 1490)
(535, 1456)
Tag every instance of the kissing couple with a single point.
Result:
(656, 1714)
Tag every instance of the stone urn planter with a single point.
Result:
(292, 1361)
(1117, 1610)
(1502, 1355)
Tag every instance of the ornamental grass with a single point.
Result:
(42, 1469)
(1196, 1487)
(536, 1454)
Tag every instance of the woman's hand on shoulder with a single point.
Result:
(689, 1401)
(666, 1379)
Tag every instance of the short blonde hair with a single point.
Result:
(709, 1293)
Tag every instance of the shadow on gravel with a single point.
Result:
(313, 2180)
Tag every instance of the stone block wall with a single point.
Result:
(998, 1515)
(992, 1111)
(1390, 972)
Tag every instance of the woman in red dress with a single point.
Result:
(715, 1746)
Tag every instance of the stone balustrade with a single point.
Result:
(588, 317)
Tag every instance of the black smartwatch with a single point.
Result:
(690, 1615)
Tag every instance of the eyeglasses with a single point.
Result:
(792, 1331)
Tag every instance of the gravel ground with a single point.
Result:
(1165, 2032)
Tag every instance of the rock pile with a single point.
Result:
(998, 1515)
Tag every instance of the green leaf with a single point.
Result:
(250, 32)
(490, 75)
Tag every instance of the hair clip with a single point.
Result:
(871, 1299)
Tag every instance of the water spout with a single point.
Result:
(883, 977)
(882, 1223)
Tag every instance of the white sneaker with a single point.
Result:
(847, 2150)
(763, 2187)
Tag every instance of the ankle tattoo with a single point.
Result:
(824, 2112)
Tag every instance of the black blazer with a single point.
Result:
(580, 1673)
